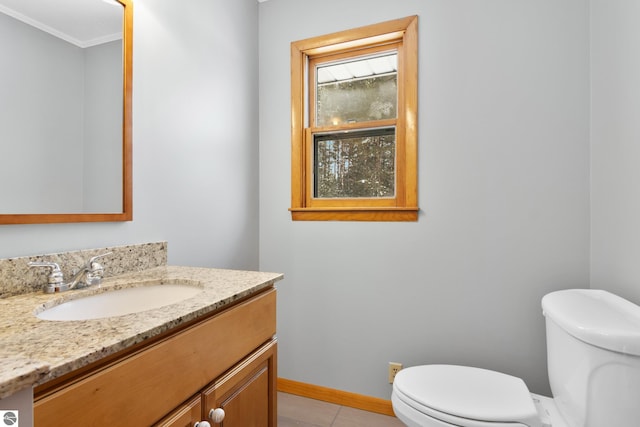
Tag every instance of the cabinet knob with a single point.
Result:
(216, 415)
(202, 424)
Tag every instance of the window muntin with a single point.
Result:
(357, 164)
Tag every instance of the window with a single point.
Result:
(354, 124)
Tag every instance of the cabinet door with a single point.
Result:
(185, 416)
(247, 393)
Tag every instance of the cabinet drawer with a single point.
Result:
(144, 387)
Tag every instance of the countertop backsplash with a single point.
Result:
(16, 277)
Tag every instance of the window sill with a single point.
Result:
(355, 214)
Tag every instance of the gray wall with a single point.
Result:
(102, 148)
(195, 139)
(61, 123)
(40, 127)
(503, 191)
(615, 136)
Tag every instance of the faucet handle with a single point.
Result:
(93, 259)
(56, 279)
(95, 271)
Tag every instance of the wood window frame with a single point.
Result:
(401, 35)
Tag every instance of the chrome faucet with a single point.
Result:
(89, 274)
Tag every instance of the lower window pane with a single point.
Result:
(355, 165)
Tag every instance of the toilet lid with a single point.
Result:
(466, 392)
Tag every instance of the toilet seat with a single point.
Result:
(464, 396)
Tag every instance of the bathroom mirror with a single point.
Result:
(65, 111)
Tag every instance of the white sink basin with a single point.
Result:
(120, 302)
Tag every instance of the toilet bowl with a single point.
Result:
(593, 355)
(450, 395)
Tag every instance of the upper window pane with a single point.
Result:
(358, 90)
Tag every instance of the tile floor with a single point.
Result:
(302, 412)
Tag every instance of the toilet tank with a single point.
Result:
(593, 357)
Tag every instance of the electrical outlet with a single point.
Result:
(394, 368)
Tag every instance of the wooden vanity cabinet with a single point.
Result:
(227, 360)
(247, 394)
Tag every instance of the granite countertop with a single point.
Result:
(34, 351)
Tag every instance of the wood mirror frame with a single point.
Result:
(127, 185)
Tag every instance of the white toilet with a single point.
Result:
(593, 357)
